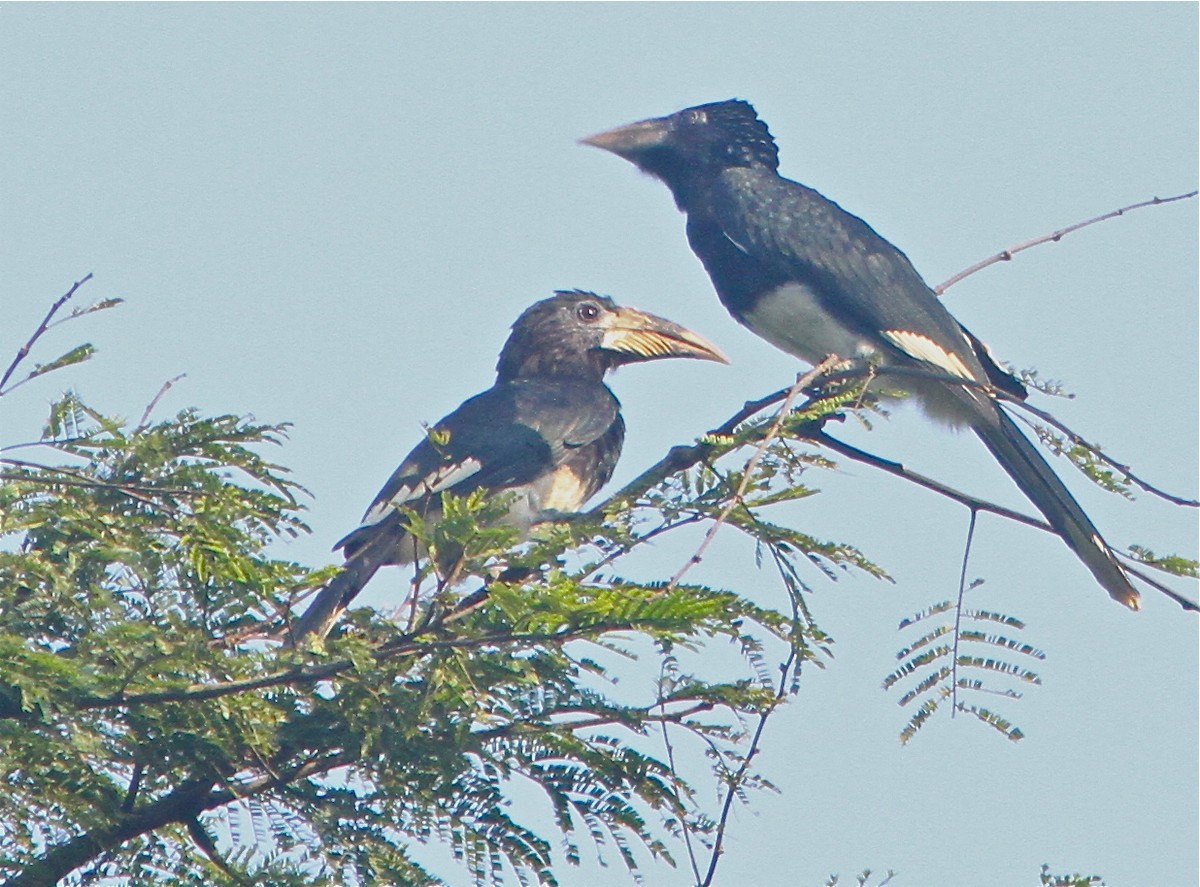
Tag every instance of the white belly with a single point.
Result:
(791, 319)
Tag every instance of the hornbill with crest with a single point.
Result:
(814, 280)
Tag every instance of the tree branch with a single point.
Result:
(166, 386)
(681, 458)
(1096, 451)
(24, 350)
(958, 613)
(59, 861)
(311, 673)
(802, 382)
(740, 773)
(1006, 255)
(972, 502)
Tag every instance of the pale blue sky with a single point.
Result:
(331, 214)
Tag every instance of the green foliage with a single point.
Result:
(1050, 880)
(952, 662)
(1167, 563)
(153, 729)
(1088, 460)
(1033, 380)
(147, 707)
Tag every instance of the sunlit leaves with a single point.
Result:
(1168, 563)
(144, 579)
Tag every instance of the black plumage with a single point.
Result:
(548, 433)
(814, 280)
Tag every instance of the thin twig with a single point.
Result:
(631, 719)
(649, 535)
(802, 382)
(311, 673)
(166, 386)
(1095, 450)
(666, 738)
(739, 774)
(1053, 237)
(958, 609)
(1178, 597)
(1021, 404)
(24, 350)
(82, 480)
(57, 443)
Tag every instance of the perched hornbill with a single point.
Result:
(549, 433)
(814, 280)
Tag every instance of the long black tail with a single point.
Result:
(1037, 480)
(335, 597)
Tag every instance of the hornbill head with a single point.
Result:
(689, 144)
(577, 333)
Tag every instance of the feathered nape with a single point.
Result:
(744, 137)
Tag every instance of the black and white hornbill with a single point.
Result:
(814, 280)
(548, 433)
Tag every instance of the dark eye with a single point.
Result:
(588, 312)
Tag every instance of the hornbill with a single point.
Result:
(814, 280)
(548, 433)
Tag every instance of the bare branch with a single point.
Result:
(958, 612)
(972, 502)
(802, 382)
(24, 350)
(1006, 255)
(166, 386)
(1178, 597)
(670, 749)
(751, 752)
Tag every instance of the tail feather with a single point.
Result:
(335, 597)
(1037, 480)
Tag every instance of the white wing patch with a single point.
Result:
(735, 243)
(442, 479)
(924, 348)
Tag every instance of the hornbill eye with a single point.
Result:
(588, 312)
